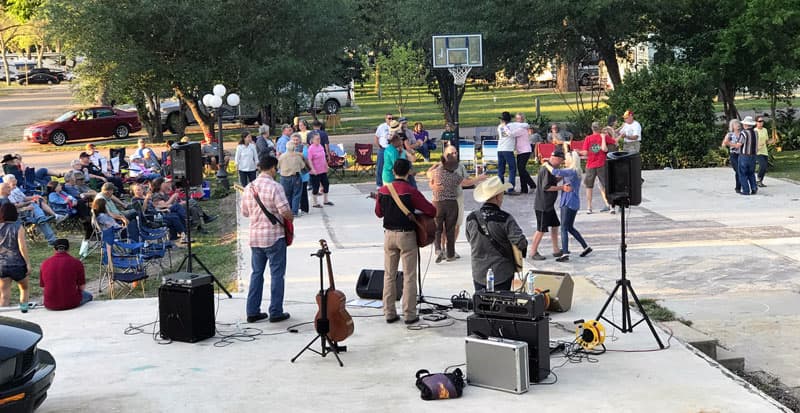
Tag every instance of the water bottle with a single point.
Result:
(529, 277)
(490, 280)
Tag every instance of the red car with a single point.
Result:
(96, 122)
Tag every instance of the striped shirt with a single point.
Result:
(749, 142)
(262, 233)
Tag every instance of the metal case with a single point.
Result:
(497, 363)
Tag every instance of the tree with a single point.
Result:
(10, 28)
(185, 47)
(403, 67)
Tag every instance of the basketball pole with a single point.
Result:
(455, 114)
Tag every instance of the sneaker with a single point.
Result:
(457, 256)
(586, 251)
(439, 257)
(451, 259)
(279, 317)
(392, 319)
(328, 203)
(23, 307)
(512, 192)
(538, 257)
(412, 321)
(257, 317)
(760, 184)
(60, 218)
(613, 211)
(605, 209)
(589, 211)
(558, 254)
(563, 258)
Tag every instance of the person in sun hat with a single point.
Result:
(748, 149)
(492, 235)
(631, 132)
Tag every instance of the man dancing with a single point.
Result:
(546, 193)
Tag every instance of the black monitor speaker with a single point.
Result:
(187, 163)
(624, 178)
(186, 313)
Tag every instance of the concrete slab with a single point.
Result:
(102, 369)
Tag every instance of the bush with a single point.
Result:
(674, 105)
(788, 129)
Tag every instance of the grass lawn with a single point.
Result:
(787, 165)
(214, 249)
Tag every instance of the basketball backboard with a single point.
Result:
(457, 50)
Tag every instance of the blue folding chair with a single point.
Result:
(121, 263)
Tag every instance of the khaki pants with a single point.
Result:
(397, 246)
(632, 146)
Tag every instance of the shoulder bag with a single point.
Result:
(424, 225)
(288, 226)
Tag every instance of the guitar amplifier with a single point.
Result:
(535, 333)
(186, 279)
(497, 363)
(509, 304)
(186, 313)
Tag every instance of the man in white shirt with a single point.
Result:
(631, 131)
(97, 159)
(381, 141)
(506, 133)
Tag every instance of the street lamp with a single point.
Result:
(214, 102)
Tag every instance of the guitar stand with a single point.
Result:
(323, 324)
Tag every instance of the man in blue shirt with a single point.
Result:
(280, 146)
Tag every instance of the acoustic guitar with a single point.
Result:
(340, 322)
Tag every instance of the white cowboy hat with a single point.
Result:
(748, 120)
(489, 188)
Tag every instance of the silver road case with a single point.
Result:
(497, 363)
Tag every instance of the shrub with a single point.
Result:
(674, 105)
(788, 129)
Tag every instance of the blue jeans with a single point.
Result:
(507, 158)
(293, 186)
(276, 256)
(426, 153)
(763, 164)
(735, 166)
(47, 232)
(85, 297)
(747, 173)
(568, 227)
(379, 168)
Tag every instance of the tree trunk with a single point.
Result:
(5, 59)
(39, 54)
(448, 99)
(727, 92)
(608, 53)
(566, 78)
(773, 103)
(378, 80)
(154, 112)
(206, 122)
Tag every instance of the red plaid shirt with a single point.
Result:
(262, 233)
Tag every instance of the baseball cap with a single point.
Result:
(61, 244)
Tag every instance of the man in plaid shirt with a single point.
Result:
(267, 243)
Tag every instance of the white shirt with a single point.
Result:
(631, 129)
(16, 196)
(246, 158)
(383, 134)
(507, 139)
(100, 161)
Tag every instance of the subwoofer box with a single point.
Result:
(370, 284)
(535, 333)
(186, 313)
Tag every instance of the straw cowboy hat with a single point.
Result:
(748, 120)
(487, 189)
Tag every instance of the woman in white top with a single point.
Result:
(246, 159)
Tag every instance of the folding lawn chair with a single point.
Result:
(489, 154)
(364, 160)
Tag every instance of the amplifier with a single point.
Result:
(509, 304)
(186, 279)
(497, 363)
(535, 333)
(186, 313)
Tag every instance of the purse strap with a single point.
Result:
(400, 203)
(272, 218)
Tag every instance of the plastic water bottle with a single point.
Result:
(490, 280)
(529, 278)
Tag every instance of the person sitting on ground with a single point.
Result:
(63, 279)
(138, 170)
(493, 234)
(15, 265)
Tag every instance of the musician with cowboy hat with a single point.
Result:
(493, 234)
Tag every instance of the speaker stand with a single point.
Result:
(624, 285)
(420, 296)
(190, 256)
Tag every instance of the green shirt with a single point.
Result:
(763, 138)
(390, 155)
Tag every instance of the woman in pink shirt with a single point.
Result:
(319, 171)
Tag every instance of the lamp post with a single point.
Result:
(214, 102)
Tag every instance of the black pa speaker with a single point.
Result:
(187, 163)
(186, 313)
(624, 178)
(370, 284)
(535, 333)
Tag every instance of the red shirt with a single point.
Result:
(61, 277)
(595, 157)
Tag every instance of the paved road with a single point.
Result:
(23, 106)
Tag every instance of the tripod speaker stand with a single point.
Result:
(420, 296)
(624, 189)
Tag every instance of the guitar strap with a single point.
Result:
(272, 218)
(483, 228)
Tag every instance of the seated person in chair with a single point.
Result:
(43, 226)
(165, 199)
(143, 205)
(104, 218)
(96, 175)
(40, 211)
(62, 278)
(210, 150)
(139, 170)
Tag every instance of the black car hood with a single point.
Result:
(17, 335)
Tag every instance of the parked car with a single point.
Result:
(26, 371)
(170, 112)
(94, 122)
(60, 74)
(332, 98)
(38, 78)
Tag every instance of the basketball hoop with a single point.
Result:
(460, 74)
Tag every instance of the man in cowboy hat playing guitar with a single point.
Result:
(493, 235)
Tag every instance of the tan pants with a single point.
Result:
(397, 246)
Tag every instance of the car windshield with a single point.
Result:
(67, 116)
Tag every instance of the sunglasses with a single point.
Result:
(760, 120)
